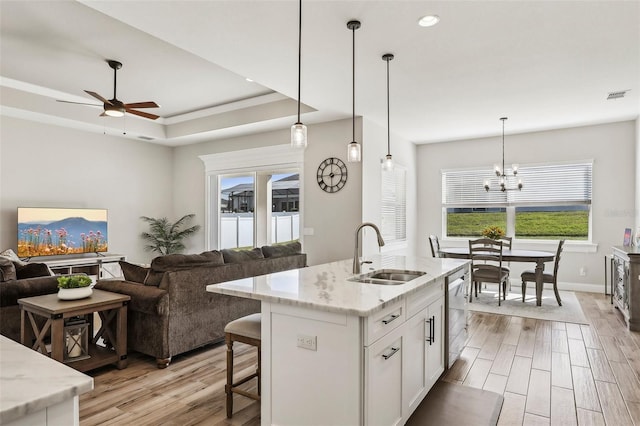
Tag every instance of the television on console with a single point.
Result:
(44, 231)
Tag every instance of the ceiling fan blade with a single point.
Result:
(142, 114)
(148, 104)
(78, 103)
(95, 95)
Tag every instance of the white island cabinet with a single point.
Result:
(339, 352)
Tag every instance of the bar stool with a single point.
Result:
(245, 330)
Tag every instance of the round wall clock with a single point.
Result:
(332, 174)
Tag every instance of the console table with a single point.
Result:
(99, 266)
(625, 285)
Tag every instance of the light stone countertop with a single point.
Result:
(326, 287)
(30, 381)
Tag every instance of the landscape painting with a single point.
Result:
(56, 231)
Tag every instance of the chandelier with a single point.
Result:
(501, 171)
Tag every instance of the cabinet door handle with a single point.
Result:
(432, 330)
(391, 318)
(390, 354)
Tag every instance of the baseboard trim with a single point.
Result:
(589, 288)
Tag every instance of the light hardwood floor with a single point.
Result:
(550, 373)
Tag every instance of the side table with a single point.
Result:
(112, 309)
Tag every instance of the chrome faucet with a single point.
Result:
(356, 257)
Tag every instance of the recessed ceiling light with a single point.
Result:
(249, 80)
(429, 20)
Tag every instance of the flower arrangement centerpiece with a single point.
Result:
(493, 232)
(71, 287)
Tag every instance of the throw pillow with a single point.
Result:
(7, 270)
(32, 270)
(176, 262)
(133, 273)
(282, 249)
(153, 278)
(239, 256)
(12, 256)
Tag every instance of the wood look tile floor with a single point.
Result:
(550, 373)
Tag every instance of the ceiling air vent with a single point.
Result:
(616, 95)
(145, 138)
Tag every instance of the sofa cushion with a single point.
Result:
(7, 270)
(12, 256)
(177, 262)
(239, 256)
(133, 273)
(282, 249)
(32, 270)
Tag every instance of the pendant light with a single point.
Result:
(299, 130)
(501, 171)
(354, 149)
(387, 163)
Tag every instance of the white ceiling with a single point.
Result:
(544, 64)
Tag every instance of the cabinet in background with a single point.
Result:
(98, 267)
(626, 284)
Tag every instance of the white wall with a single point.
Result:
(49, 166)
(333, 217)
(611, 146)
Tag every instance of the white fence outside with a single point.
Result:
(236, 229)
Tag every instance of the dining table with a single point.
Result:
(510, 255)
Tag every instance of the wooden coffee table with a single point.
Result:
(111, 307)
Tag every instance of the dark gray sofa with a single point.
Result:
(170, 310)
(19, 280)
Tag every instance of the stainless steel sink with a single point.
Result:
(387, 277)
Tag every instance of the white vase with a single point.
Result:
(74, 293)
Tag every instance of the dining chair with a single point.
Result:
(434, 243)
(507, 243)
(486, 266)
(530, 275)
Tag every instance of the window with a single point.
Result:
(554, 203)
(393, 224)
(253, 197)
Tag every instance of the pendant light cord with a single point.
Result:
(388, 113)
(503, 170)
(353, 86)
(299, 55)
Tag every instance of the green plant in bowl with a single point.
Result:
(74, 281)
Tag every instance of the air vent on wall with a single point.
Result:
(616, 95)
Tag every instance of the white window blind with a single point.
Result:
(393, 224)
(552, 184)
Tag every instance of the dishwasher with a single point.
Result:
(457, 314)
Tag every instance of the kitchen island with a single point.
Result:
(37, 390)
(342, 352)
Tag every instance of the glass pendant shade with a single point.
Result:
(387, 163)
(298, 136)
(354, 152)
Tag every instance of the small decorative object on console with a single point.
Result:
(74, 287)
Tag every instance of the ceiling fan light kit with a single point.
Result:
(115, 107)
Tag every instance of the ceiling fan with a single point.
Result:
(115, 107)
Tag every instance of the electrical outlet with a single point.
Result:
(307, 342)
